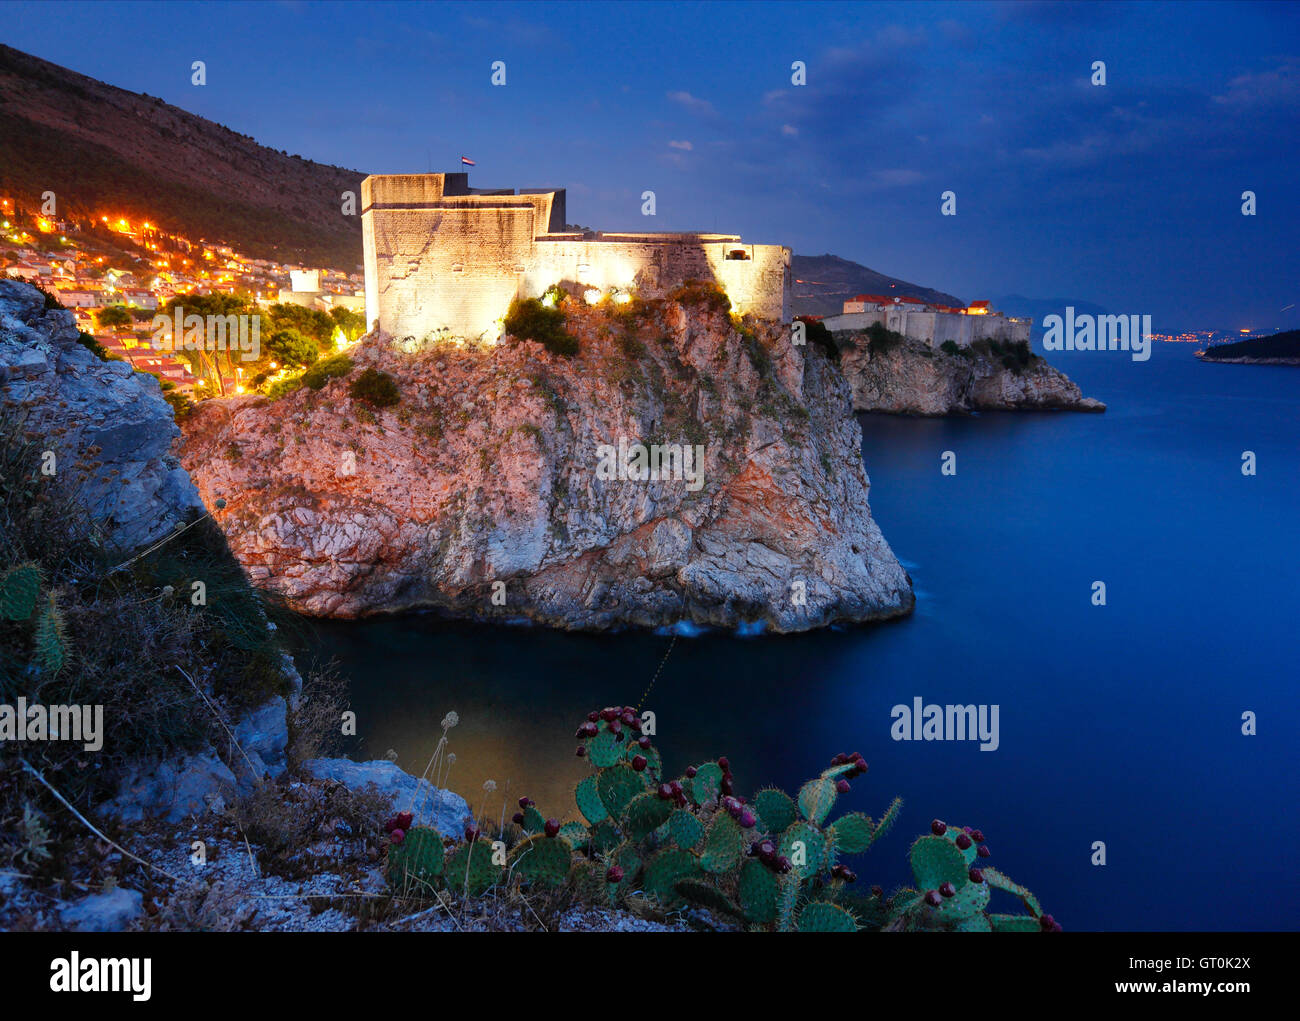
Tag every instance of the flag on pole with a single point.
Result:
(466, 161)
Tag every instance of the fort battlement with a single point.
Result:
(440, 255)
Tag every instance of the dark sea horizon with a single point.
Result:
(1119, 723)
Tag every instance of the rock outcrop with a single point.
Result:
(106, 426)
(910, 378)
(489, 471)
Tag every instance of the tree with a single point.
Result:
(290, 347)
(353, 324)
(114, 317)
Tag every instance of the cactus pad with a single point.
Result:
(470, 869)
(645, 814)
(617, 786)
(776, 808)
(665, 870)
(820, 916)
(18, 590)
(817, 798)
(543, 860)
(937, 860)
(705, 894)
(758, 888)
(998, 881)
(589, 803)
(685, 829)
(852, 833)
(706, 782)
(415, 864)
(724, 844)
(604, 749)
(814, 848)
(1014, 923)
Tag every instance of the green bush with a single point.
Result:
(291, 347)
(529, 319)
(701, 292)
(375, 388)
(92, 345)
(815, 332)
(326, 369)
(882, 339)
(284, 387)
(950, 347)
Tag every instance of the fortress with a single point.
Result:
(442, 256)
(929, 323)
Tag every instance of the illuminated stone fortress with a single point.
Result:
(445, 259)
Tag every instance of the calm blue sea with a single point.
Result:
(1120, 724)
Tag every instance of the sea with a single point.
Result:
(1145, 774)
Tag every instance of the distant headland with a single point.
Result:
(1279, 349)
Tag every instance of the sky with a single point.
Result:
(1127, 195)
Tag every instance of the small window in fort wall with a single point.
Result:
(738, 253)
(458, 267)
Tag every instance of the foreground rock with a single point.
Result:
(106, 425)
(487, 472)
(444, 810)
(914, 379)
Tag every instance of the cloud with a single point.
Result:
(674, 144)
(789, 130)
(697, 106)
(1277, 87)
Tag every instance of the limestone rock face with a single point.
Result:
(489, 470)
(444, 810)
(914, 379)
(108, 426)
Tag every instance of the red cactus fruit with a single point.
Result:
(842, 786)
(977, 836)
(962, 841)
(639, 762)
(933, 899)
(691, 771)
(552, 828)
(614, 874)
(976, 876)
(397, 836)
(983, 851)
(938, 828)
(946, 889)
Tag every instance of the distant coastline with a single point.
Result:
(1279, 349)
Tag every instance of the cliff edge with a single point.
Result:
(904, 377)
(484, 491)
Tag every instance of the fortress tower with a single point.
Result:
(440, 255)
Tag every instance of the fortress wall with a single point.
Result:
(451, 267)
(761, 285)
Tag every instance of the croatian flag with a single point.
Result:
(466, 161)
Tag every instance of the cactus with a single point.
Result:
(415, 862)
(51, 646)
(19, 587)
(773, 863)
(470, 869)
(723, 845)
(954, 896)
(821, 916)
(544, 860)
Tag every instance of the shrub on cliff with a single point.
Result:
(375, 388)
(290, 347)
(530, 319)
(882, 339)
(702, 292)
(326, 369)
(815, 332)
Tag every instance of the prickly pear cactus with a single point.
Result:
(415, 865)
(546, 861)
(19, 587)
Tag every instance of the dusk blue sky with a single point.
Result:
(1127, 195)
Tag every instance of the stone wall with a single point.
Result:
(933, 328)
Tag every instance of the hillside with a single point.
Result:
(100, 148)
(1283, 348)
(824, 282)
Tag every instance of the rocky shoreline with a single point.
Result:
(911, 378)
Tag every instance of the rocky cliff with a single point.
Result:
(910, 378)
(489, 471)
(105, 427)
